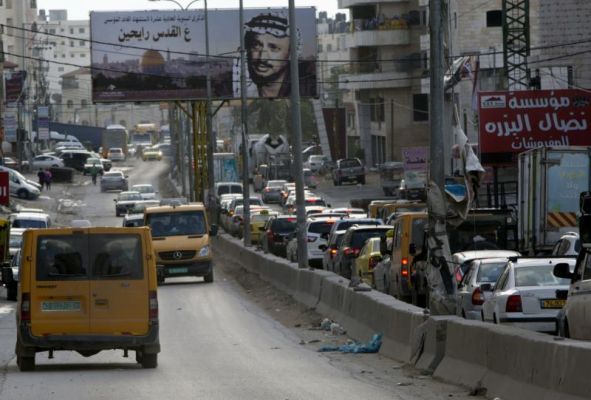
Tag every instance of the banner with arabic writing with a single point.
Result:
(161, 55)
(512, 122)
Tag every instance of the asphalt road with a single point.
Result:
(218, 342)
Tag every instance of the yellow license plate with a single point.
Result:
(553, 303)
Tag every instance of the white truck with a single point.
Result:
(550, 182)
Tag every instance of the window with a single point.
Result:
(83, 103)
(82, 42)
(61, 257)
(72, 55)
(83, 55)
(71, 43)
(71, 31)
(33, 3)
(10, 23)
(587, 267)
(8, 4)
(329, 47)
(494, 18)
(60, 69)
(52, 31)
(55, 56)
(420, 105)
(70, 104)
(81, 30)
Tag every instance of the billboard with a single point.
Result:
(512, 122)
(14, 82)
(415, 158)
(160, 55)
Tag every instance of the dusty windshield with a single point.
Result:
(177, 223)
(480, 234)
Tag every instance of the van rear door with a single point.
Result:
(119, 283)
(59, 286)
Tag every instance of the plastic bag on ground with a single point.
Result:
(372, 347)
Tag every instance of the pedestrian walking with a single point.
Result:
(41, 177)
(94, 171)
(48, 178)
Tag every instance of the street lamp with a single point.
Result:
(211, 136)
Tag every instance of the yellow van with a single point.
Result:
(180, 238)
(409, 230)
(87, 290)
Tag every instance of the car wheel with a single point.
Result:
(209, 277)
(566, 332)
(149, 360)
(22, 194)
(24, 363)
(495, 320)
(11, 291)
(362, 180)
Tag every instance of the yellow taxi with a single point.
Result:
(257, 224)
(369, 257)
(87, 290)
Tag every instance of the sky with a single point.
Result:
(79, 9)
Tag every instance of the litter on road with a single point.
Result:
(355, 347)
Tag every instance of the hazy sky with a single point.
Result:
(79, 9)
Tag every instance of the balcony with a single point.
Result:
(398, 37)
(354, 3)
(375, 80)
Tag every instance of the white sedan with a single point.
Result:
(47, 161)
(146, 190)
(527, 294)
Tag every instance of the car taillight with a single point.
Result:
(478, 298)
(230, 213)
(373, 262)
(333, 253)
(459, 275)
(404, 271)
(153, 299)
(26, 307)
(350, 252)
(312, 239)
(237, 218)
(514, 304)
(267, 190)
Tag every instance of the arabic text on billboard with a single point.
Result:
(10, 123)
(43, 122)
(415, 158)
(160, 55)
(512, 122)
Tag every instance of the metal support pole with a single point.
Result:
(190, 138)
(437, 167)
(195, 176)
(244, 122)
(211, 136)
(297, 139)
(182, 147)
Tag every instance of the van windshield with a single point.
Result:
(28, 223)
(177, 223)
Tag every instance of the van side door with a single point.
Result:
(59, 287)
(119, 283)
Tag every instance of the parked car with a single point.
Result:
(116, 154)
(126, 201)
(568, 245)
(114, 180)
(315, 162)
(20, 186)
(9, 162)
(146, 190)
(351, 246)
(46, 161)
(31, 220)
(527, 294)
(470, 296)
(276, 232)
(348, 170)
(369, 257)
(272, 192)
(573, 320)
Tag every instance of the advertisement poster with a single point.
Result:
(415, 158)
(161, 55)
(10, 123)
(513, 122)
(43, 122)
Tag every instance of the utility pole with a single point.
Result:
(244, 120)
(296, 119)
(211, 139)
(437, 169)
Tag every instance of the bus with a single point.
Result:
(114, 136)
(145, 135)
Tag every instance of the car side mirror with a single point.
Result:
(562, 270)
(213, 230)
(486, 287)
(412, 249)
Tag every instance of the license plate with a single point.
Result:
(70, 305)
(553, 303)
(178, 270)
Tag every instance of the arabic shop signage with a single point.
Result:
(512, 122)
(160, 55)
(415, 158)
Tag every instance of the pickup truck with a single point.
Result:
(348, 169)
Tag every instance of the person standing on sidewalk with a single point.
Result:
(48, 178)
(41, 177)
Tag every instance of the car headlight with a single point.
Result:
(204, 251)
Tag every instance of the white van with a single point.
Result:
(20, 186)
(31, 220)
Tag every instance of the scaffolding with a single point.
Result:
(516, 43)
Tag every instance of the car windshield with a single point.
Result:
(490, 272)
(349, 163)
(93, 161)
(344, 225)
(360, 237)
(316, 158)
(28, 223)
(418, 232)
(15, 241)
(538, 275)
(260, 217)
(129, 196)
(320, 227)
(415, 179)
(177, 223)
(284, 225)
(144, 189)
(275, 184)
(252, 202)
(316, 202)
(113, 175)
(225, 189)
